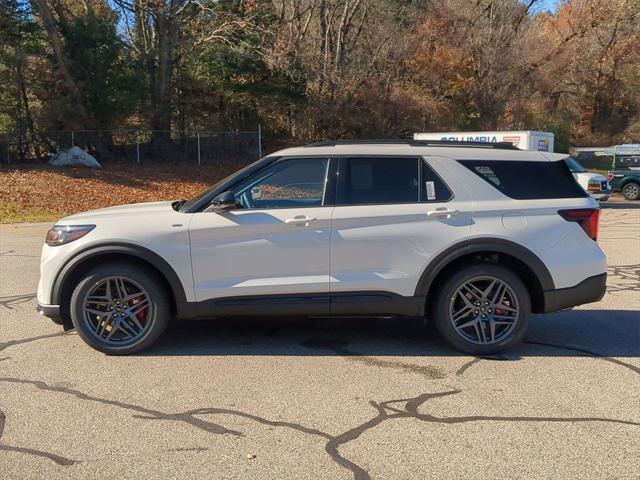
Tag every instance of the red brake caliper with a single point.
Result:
(142, 314)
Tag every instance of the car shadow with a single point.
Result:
(626, 204)
(607, 333)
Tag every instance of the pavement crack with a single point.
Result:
(31, 451)
(470, 363)
(10, 343)
(10, 301)
(145, 413)
(384, 411)
(256, 418)
(475, 360)
(587, 353)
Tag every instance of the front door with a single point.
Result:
(275, 243)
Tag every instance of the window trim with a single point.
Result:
(341, 176)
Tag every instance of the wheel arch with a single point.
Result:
(67, 278)
(521, 260)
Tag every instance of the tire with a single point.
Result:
(631, 191)
(509, 314)
(127, 326)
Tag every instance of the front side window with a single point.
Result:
(292, 183)
(376, 180)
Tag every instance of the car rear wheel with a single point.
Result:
(119, 309)
(482, 309)
(631, 191)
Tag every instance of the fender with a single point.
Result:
(129, 249)
(497, 245)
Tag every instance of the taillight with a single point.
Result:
(587, 218)
(609, 176)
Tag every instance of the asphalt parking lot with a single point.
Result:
(316, 399)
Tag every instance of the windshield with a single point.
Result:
(574, 166)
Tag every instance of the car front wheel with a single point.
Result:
(119, 309)
(482, 309)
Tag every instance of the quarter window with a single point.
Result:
(527, 180)
(294, 183)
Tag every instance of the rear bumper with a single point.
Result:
(589, 290)
(51, 311)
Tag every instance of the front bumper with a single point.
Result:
(51, 311)
(589, 290)
(600, 194)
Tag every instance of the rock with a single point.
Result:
(74, 157)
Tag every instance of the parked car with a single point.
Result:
(473, 236)
(594, 184)
(626, 181)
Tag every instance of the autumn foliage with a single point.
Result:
(313, 69)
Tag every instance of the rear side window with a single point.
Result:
(527, 180)
(374, 180)
(389, 180)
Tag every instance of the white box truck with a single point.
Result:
(525, 140)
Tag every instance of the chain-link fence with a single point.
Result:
(137, 146)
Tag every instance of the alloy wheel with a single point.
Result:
(484, 310)
(117, 310)
(632, 190)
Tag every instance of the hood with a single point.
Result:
(139, 210)
(583, 178)
(590, 175)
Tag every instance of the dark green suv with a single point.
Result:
(625, 177)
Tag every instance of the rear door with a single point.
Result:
(393, 215)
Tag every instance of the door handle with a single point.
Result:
(446, 213)
(300, 220)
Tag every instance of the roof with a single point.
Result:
(411, 148)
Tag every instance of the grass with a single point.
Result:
(38, 193)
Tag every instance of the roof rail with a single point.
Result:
(417, 143)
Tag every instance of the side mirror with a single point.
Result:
(256, 193)
(224, 202)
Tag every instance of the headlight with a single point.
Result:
(62, 234)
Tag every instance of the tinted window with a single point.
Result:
(371, 180)
(433, 188)
(528, 180)
(286, 184)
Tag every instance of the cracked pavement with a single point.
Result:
(336, 399)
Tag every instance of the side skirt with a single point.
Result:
(367, 304)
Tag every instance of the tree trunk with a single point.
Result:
(49, 24)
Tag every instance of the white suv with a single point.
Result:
(475, 237)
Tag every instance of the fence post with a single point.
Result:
(259, 141)
(73, 139)
(138, 145)
(198, 137)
